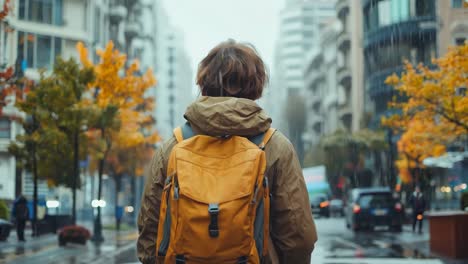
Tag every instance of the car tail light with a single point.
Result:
(356, 209)
(324, 204)
(398, 207)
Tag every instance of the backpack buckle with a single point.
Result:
(213, 210)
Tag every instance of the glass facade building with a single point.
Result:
(394, 31)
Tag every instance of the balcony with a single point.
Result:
(117, 14)
(416, 27)
(341, 7)
(132, 30)
(315, 79)
(317, 124)
(344, 40)
(343, 76)
(376, 82)
(346, 118)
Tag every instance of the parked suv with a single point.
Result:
(370, 208)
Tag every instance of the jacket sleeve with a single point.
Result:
(148, 218)
(293, 230)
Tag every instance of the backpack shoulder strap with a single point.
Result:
(267, 137)
(262, 139)
(183, 132)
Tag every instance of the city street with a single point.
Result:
(45, 249)
(336, 245)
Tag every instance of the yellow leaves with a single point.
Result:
(392, 80)
(83, 53)
(125, 88)
(433, 111)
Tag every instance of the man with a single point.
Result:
(230, 78)
(21, 215)
(418, 203)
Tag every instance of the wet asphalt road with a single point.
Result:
(336, 245)
(45, 250)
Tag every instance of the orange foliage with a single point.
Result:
(5, 9)
(435, 110)
(127, 92)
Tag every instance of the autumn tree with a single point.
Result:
(432, 109)
(8, 80)
(122, 102)
(344, 155)
(436, 94)
(54, 106)
(416, 144)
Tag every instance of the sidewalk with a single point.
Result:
(420, 244)
(45, 248)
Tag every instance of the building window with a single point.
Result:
(457, 3)
(97, 25)
(400, 10)
(460, 41)
(425, 8)
(5, 128)
(42, 11)
(384, 8)
(43, 52)
(38, 51)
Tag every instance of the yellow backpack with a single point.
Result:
(215, 204)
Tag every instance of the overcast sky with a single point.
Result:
(205, 23)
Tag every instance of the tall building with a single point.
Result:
(453, 23)
(39, 31)
(350, 64)
(325, 97)
(174, 74)
(394, 31)
(299, 26)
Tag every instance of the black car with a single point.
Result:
(320, 205)
(370, 208)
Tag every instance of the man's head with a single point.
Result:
(232, 69)
(417, 189)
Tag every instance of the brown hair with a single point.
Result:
(232, 69)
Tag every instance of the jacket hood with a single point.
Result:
(221, 116)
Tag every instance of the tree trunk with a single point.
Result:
(76, 171)
(34, 220)
(98, 223)
(118, 187)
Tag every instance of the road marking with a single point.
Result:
(347, 243)
(112, 255)
(131, 236)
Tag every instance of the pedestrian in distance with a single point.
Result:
(20, 214)
(418, 203)
(226, 188)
